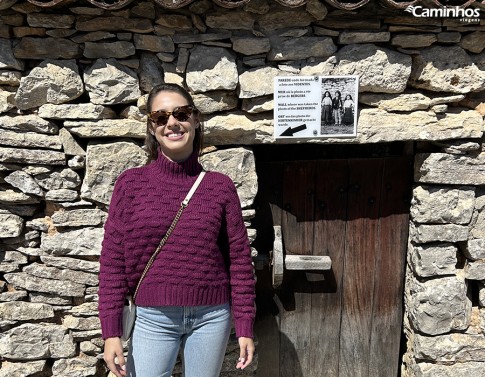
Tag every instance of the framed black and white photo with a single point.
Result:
(315, 106)
(339, 105)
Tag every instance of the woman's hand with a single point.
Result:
(113, 356)
(246, 353)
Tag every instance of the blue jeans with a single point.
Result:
(202, 331)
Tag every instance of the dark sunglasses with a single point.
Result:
(181, 113)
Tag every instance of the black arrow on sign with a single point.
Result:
(290, 131)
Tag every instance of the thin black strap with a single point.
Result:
(184, 204)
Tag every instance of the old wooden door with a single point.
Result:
(345, 322)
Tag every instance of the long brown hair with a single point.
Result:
(151, 143)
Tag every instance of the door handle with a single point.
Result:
(280, 262)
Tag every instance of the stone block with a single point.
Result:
(445, 233)
(442, 205)
(438, 306)
(457, 75)
(211, 68)
(444, 168)
(433, 259)
(105, 162)
(85, 241)
(52, 81)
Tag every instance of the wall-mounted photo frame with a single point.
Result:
(315, 106)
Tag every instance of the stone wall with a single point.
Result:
(73, 84)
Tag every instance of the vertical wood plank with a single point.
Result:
(297, 229)
(268, 204)
(329, 239)
(358, 279)
(389, 269)
(298, 207)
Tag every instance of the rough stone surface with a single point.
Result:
(444, 233)
(26, 123)
(75, 111)
(58, 179)
(278, 19)
(350, 37)
(21, 369)
(257, 82)
(11, 261)
(36, 341)
(215, 101)
(30, 140)
(446, 69)
(105, 162)
(154, 43)
(7, 58)
(417, 125)
(238, 128)
(444, 168)
(48, 272)
(79, 242)
(100, 78)
(251, 46)
(10, 78)
(107, 128)
(474, 42)
(459, 369)
(24, 182)
(230, 21)
(150, 71)
(380, 70)
(211, 68)
(120, 49)
(47, 48)
(258, 105)
(414, 40)
(29, 282)
(431, 204)
(82, 366)
(475, 249)
(70, 263)
(79, 217)
(433, 259)
(450, 348)
(25, 311)
(10, 225)
(239, 164)
(80, 323)
(52, 81)
(302, 48)
(32, 156)
(396, 102)
(475, 270)
(438, 306)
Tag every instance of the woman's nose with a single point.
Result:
(171, 122)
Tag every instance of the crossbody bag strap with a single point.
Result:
(184, 204)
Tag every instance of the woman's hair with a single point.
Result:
(151, 143)
(348, 95)
(339, 94)
(327, 92)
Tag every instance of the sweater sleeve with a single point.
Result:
(113, 287)
(240, 267)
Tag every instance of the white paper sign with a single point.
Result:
(315, 106)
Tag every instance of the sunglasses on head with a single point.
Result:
(181, 113)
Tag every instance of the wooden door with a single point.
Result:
(345, 322)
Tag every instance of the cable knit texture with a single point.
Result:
(206, 260)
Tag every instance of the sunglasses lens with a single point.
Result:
(160, 118)
(182, 114)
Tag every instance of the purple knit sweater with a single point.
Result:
(206, 260)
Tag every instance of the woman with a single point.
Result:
(206, 263)
(348, 117)
(327, 108)
(337, 108)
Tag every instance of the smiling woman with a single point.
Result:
(172, 112)
(181, 302)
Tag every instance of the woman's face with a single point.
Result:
(176, 137)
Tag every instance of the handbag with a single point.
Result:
(129, 309)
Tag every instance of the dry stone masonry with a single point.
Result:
(73, 85)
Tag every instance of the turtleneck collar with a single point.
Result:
(188, 168)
